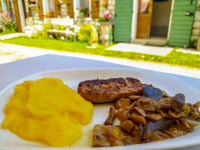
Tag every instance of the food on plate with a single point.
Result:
(47, 111)
(146, 113)
(109, 90)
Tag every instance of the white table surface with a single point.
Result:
(10, 72)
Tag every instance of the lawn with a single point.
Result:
(173, 58)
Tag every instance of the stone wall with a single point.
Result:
(196, 26)
(103, 10)
(107, 7)
(64, 10)
(13, 12)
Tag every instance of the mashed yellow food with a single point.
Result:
(47, 111)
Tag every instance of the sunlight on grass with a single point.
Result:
(6, 53)
(173, 58)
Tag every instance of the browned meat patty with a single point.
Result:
(109, 90)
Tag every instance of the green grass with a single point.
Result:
(2, 33)
(6, 53)
(173, 58)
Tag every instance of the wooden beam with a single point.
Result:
(17, 15)
(40, 8)
(57, 8)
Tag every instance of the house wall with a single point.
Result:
(160, 18)
(64, 10)
(196, 26)
(110, 8)
(4, 6)
(102, 10)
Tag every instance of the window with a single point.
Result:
(51, 5)
(83, 5)
(48, 5)
(144, 6)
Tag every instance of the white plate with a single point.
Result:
(168, 83)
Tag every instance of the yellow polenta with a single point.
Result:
(47, 111)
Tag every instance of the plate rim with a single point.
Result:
(129, 147)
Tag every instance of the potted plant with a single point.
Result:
(105, 29)
(85, 11)
(48, 14)
(104, 18)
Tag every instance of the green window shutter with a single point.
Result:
(181, 26)
(123, 20)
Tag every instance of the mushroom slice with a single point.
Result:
(111, 117)
(190, 121)
(174, 115)
(153, 116)
(127, 126)
(137, 119)
(122, 102)
(139, 111)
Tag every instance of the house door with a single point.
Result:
(144, 18)
(182, 22)
(123, 20)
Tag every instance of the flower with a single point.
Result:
(107, 16)
(84, 10)
(104, 18)
(6, 18)
(48, 14)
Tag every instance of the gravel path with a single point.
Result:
(21, 52)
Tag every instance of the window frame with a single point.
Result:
(74, 9)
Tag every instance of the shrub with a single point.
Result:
(60, 27)
(84, 34)
(7, 22)
(88, 34)
(48, 26)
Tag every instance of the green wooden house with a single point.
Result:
(176, 22)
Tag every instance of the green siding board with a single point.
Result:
(122, 25)
(181, 26)
(180, 32)
(176, 44)
(184, 3)
(123, 3)
(123, 20)
(122, 39)
(186, 8)
(124, 13)
(184, 0)
(123, 33)
(179, 43)
(122, 29)
(183, 18)
(181, 37)
(183, 41)
(181, 23)
(179, 13)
